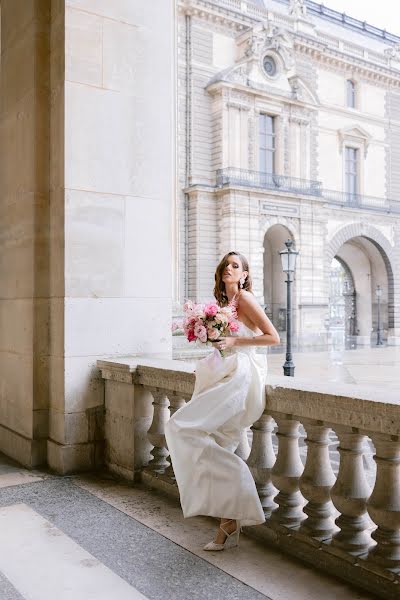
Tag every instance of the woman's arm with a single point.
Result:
(249, 308)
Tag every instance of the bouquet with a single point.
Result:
(208, 322)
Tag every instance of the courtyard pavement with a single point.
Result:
(376, 366)
(90, 537)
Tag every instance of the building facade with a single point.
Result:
(289, 127)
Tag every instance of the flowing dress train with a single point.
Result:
(202, 436)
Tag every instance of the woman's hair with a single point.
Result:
(219, 288)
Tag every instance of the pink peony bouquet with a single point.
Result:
(208, 322)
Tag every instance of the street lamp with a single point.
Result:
(288, 258)
(378, 293)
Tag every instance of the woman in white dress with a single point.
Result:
(203, 435)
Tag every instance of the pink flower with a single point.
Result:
(213, 334)
(200, 332)
(191, 336)
(233, 326)
(211, 309)
(188, 306)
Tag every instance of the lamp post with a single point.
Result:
(288, 258)
(378, 293)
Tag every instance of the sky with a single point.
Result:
(384, 14)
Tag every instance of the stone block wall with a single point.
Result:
(88, 180)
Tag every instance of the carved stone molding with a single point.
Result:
(356, 135)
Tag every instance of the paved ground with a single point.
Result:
(84, 538)
(376, 366)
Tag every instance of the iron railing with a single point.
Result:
(292, 185)
(361, 201)
(258, 179)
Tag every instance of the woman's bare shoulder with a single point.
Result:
(246, 298)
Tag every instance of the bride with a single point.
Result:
(228, 397)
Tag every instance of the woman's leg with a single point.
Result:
(229, 525)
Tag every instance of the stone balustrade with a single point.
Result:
(343, 523)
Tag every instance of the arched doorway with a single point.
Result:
(359, 265)
(342, 305)
(274, 279)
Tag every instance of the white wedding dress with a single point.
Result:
(203, 435)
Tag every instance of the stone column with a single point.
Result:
(24, 229)
(87, 273)
(116, 195)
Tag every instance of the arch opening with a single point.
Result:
(274, 278)
(358, 267)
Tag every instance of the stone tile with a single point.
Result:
(127, 58)
(27, 452)
(83, 47)
(16, 392)
(54, 565)
(129, 11)
(68, 428)
(76, 383)
(70, 459)
(94, 244)
(106, 326)
(24, 237)
(157, 567)
(8, 591)
(145, 266)
(130, 135)
(259, 567)
(57, 243)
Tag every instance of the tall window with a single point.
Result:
(351, 93)
(267, 144)
(351, 171)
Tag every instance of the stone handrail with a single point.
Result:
(342, 523)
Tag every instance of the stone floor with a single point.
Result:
(87, 537)
(375, 366)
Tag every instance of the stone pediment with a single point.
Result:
(266, 63)
(354, 135)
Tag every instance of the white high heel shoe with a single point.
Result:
(232, 539)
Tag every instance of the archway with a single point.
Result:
(342, 305)
(274, 278)
(368, 260)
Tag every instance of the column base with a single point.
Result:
(27, 452)
(66, 459)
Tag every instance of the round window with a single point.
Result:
(269, 65)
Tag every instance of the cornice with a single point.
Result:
(340, 60)
(217, 87)
(319, 51)
(219, 15)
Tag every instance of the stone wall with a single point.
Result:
(87, 212)
(24, 229)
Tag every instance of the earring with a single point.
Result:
(241, 281)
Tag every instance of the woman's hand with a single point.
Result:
(225, 343)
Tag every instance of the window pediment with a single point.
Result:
(354, 136)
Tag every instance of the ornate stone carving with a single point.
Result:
(354, 134)
(255, 44)
(393, 53)
(297, 8)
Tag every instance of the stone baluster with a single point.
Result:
(350, 494)
(243, 449)
(261, 461)
(156, 433)
(286, 475)
(384, 503)
(176, 401)
(316, 484)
